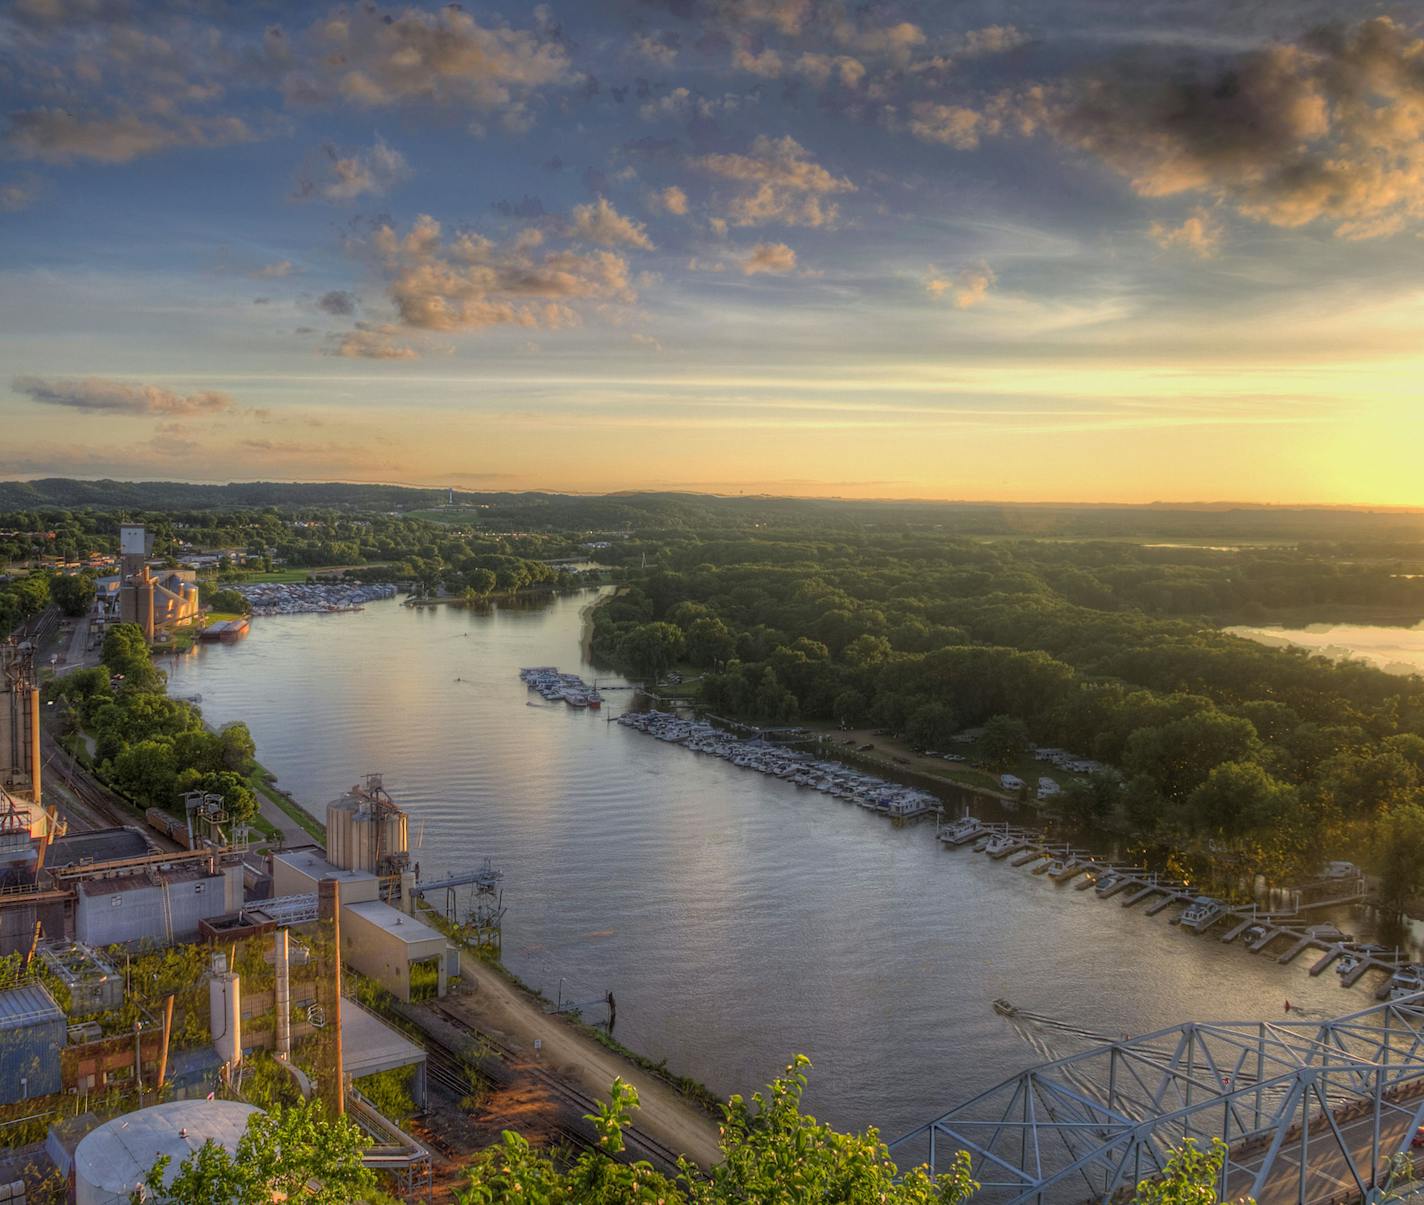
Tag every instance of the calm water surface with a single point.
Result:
(1395, 650)
(737, 918)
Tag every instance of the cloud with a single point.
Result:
(966, 288)
(1327, 129)
(647, 341)
(788, 186)
(336, 175)
(772, 258)
(100, 396)
(670, 200)
(283, 267)
(371, 343)
(338, 302)
(59, 136)
(992, 39)
(372, 58)
(661, 49)
(896, 42)
(765, 63)
(469, 282)
(951, 125)
(1201, 234)
(598, 222)
(819, 68)
(19, 193)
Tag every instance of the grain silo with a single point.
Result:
(365, 830)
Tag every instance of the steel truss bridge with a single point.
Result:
(1312, 1112)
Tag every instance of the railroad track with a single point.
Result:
(632, 1136)
(92, 806)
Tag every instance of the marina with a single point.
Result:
(1199, 913)
(791, 765)
(547, 681)
(302, 598)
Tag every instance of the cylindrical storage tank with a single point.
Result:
(225, 1011)
(112, 1161)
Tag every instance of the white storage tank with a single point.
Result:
(113, 1160)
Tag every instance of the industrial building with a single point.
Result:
(33, 1030)
(365, 830)
(20, 763)
(155, 602)
(154, 903)
(404, 955)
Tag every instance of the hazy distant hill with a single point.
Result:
(675, 511)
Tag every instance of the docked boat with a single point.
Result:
(1107, 882)
(1201, 912)
(1000, 843)
(1347, 965)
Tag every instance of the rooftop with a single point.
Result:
(28, 1005)
(102, 845)
(395, 922)
(371, 1045)
(311, 861)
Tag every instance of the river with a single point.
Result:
(737, 918)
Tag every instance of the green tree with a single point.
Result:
(237, 748)
(226, 600)
(930, 726)
(1192, 1177)
(650, 649)
(1399, 856)
(1005, 740)
(72, 593)
(772, 1154)
(709, 643)
(296, 1151)
(147, 772)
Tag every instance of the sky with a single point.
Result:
(1039, 250)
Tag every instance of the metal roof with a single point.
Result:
(28, 1005)
(393, 921)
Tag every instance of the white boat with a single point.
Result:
(1107, 882)
(1346, 964)
(1201, 911)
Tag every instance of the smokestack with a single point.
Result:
(328, 900)
(283, 997)
(35, 744)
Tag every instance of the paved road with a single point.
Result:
(1329, 1176)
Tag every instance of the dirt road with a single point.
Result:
(502, 1010)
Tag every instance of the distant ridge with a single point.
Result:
(668, 511)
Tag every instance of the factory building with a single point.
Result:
(33, 1029)
(164, 904)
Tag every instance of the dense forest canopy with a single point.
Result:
(1103, 648)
